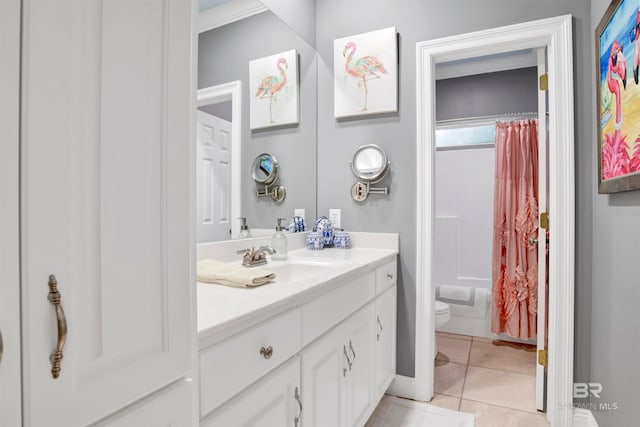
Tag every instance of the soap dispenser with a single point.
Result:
(279, 242)
(244, 229)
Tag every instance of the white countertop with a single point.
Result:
(223, 310)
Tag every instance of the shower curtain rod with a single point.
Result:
(485, 119)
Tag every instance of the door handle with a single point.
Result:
(344, 370)
(54, 298)
(296, 395)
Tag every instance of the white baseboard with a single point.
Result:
(583, 418)
(402, 386)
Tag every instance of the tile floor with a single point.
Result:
(495, 381)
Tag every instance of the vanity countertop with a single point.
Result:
(223, 310)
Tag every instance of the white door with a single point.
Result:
(361, 348)
(107, 105)
(385, 363)
(543, 203)
(213, 174)
(9, 213)
(325, 366)
(275, 401)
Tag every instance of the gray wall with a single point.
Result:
(223, 55)
(419, 20)
(616, 284)
(221, 110)
(300, 15)
(513, 91)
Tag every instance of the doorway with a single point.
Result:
(218, 162)
(554, 34)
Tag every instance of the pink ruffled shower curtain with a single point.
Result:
(515, 260)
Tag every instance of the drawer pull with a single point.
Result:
(352, 351)
(296, 395)
(266, 352)
(344, 370)
(389, 276)
(380, 325)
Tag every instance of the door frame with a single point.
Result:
(231, 91)
(556, 35)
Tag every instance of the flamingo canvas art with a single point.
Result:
(618, 53)
(366, 73)
(273, 89)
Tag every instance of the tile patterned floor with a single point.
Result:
(493, 380)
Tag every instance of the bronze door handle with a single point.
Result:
(55, 299)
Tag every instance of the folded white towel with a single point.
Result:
(462, 295)
(213, 271)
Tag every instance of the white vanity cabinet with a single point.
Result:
(275, 400)
(332, 359)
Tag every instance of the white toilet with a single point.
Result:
(443, 314)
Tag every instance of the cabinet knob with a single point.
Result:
(266, 352)
(389, 276)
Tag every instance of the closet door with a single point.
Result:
(107, 120)
(9, 213)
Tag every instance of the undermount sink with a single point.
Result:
(297, 270)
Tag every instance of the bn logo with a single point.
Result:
(583, 390)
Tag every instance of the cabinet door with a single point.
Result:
(164, 408)
(324, 376)
(275, 400)
(385, 365)
(360, 347)
(105, 178)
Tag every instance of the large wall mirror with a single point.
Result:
(226, 45)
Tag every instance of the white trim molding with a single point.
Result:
(231, 91)
(583, 418)
(227, 13)
(554, 34)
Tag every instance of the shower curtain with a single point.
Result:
(515, 259)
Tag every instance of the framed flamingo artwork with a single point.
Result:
(273, 90)
(618, 97)
(366, 74)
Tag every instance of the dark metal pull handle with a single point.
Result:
(344, 370)
(266, 352)
(1, 346)
(55, 299)
(380, 325)
(352, 351)
(296, 395)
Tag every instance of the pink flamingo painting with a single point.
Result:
(617, 68)
(635, 35)
(271, 85)
(365, 68)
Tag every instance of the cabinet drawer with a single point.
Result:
(386, 276)
(328, 310)
(228, 367)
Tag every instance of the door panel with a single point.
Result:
(385, 340)
(324, 377)
(213, 173)
(105, 177)
(9, 213)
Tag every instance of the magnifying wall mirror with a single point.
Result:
(265, 173)
(370, 166)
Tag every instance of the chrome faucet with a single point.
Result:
(254, 257)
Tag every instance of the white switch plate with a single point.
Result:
(334, 217)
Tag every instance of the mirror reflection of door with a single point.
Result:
(213, 172)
